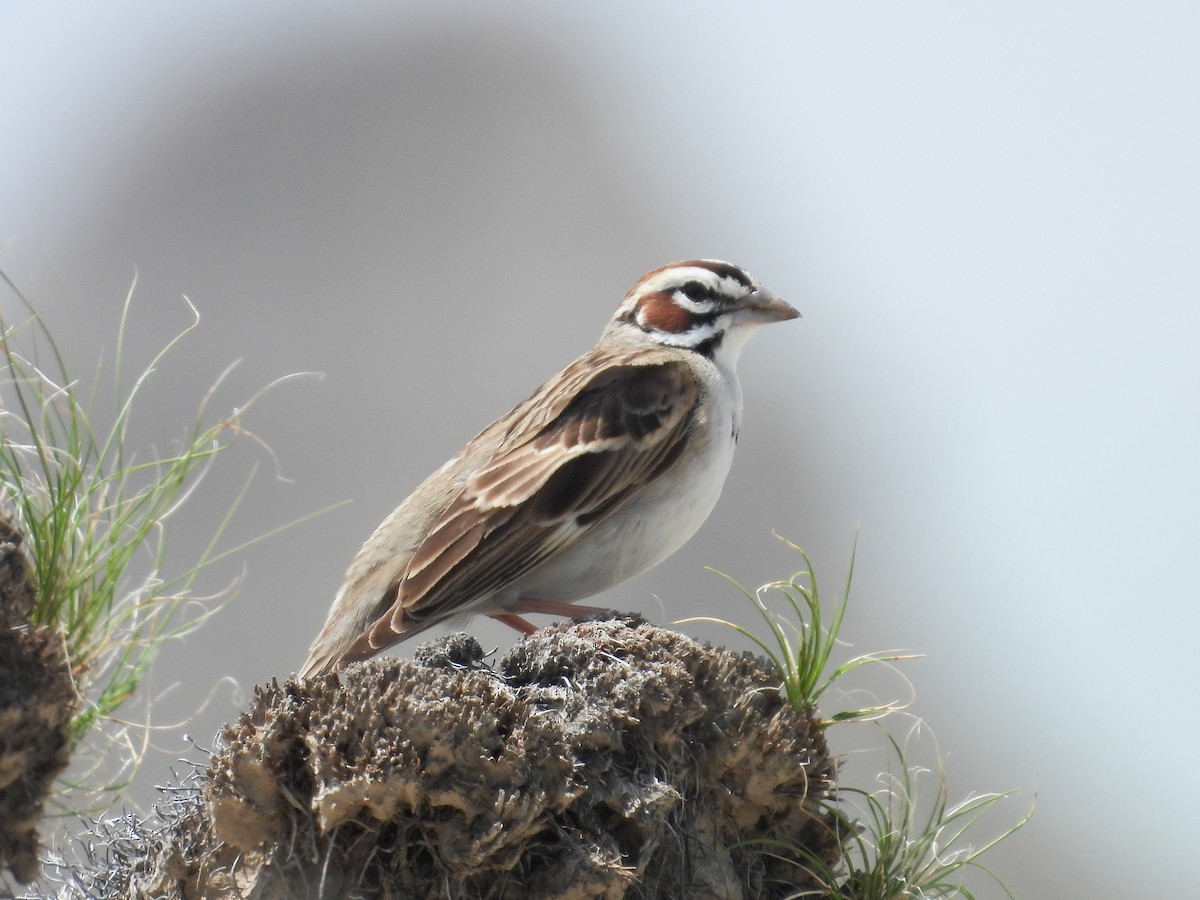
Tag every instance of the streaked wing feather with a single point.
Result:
(451, 541)
(539, 494)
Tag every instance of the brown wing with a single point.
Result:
(547, 484)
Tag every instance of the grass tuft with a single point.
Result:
(96, 516)
(894, 845)
(897, 843)
(800, 643)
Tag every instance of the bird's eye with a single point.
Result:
(695, 291)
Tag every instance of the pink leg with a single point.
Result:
(553, 608)
(544, 607)
(514, 621)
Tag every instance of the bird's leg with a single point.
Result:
(554, 608)
(512, 620)
(546, 607)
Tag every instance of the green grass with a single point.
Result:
(96, 515)
(896, 843)
(895, 849)
(800, 643)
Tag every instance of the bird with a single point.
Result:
(600, 474)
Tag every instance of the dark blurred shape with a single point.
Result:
(37, 699)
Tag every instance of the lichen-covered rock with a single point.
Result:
(601, 759)
(37, 699)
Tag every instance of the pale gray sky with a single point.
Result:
(989, 217)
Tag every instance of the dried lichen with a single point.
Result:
(601, 759)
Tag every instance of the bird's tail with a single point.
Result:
(348, 621)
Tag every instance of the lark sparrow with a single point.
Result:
(604, 471)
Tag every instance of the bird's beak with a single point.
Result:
(763, 306)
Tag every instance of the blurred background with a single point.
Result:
(989, 217)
